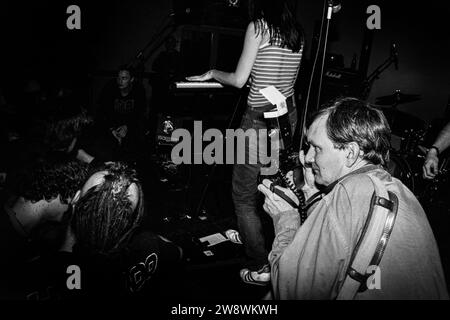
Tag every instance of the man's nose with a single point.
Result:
(309, 157)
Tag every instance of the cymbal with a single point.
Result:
(397, 98)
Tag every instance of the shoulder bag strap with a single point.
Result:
(372, 241)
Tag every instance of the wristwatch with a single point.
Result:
(436, 148)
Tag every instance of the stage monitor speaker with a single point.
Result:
(338, 82)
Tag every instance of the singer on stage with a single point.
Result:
(271, 55)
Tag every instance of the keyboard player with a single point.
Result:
(271, 55)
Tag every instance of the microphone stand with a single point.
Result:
(213, 168)
(367, 83)
(158, 38)
(330, 9)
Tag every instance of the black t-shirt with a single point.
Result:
(116, 110)
(147, 267)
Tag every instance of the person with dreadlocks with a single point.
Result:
(115, 255)
(105, 233)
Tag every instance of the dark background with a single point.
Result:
(36, 42)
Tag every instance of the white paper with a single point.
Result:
(274, 114)
(275, 97)
(213, 239)
(272, 94)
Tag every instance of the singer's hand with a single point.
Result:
(204, 77)
(309, 187)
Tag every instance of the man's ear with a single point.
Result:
(76, 197)
(353, 153)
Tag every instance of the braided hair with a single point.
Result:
(104, 217)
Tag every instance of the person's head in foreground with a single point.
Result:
(45, 189)
(108, 208)
(362, 221)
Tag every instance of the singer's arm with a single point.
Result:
(239, 77)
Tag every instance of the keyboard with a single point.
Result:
(198, 85)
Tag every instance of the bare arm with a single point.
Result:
(83, 156)
(431, 165)
(239, 77)
(443, 139)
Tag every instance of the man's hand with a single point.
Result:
(273, 203)
(120, 132)
(431, 165)
(309, 188)
(204, 77)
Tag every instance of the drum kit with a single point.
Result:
(408, 139)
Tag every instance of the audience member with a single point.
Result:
(120, 120)
(33, 223)
(116, 257)
(335, 253)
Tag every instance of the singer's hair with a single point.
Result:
(353, 120)
(283, 28)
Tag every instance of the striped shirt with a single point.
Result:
(273, 66)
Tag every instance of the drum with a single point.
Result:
(408, 169)
(409, 142)
(412, 141)
(405, 168)
(401, 122)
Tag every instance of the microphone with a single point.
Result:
(394, 55)
(337, 7)
(333, 7)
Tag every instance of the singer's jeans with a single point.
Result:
(247, 198)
